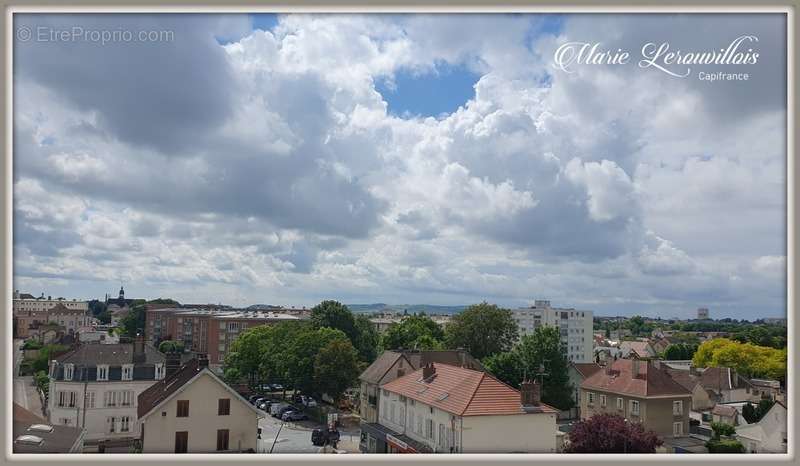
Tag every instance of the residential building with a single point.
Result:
(575, 327)
(67, 314)
(640, 391)
(393, 364)
(96, 387)
(33, 434)
(702, 313)
(207, 331)
(660, 344)
(448, 409)
(775, 321)
(578, 372)
(193, 411)
(23, 304)
(636, 349)
(118, 307)
(726, 414)
(712, 385)
(765, 388)
(768, 435)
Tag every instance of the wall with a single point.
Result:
(202, 422)
(522, 433)
(654, 413)
(96, 418)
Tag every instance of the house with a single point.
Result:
(764, 388)
(449, 409)
(193, 411)
(727, 414)
(640, 391)
(578, 372)
(393, 364)
(604, 354)
(32, 434)
(638, 349)
(768, 435)
(661, 344)
(96, 386)
(702, 399)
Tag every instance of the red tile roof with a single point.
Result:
(462, 391)
(586, 369)
(650, 382)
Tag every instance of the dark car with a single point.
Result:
(318, 437)
(252, 398)
(293, 416)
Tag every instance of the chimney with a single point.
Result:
(202, 361)
(428, 371)
(400, 373)
(173, 363)
(138, 349)
(530, 394)
(634, 368)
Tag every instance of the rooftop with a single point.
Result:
(651, 381)
(463, 392)
(32, 434)
(227, 313)
(115, 354)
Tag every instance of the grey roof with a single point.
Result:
(416, 359)
(62, 439)
(375, 372)
(113, 355)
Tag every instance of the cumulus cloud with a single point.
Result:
(230, 165)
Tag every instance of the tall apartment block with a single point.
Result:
(575, 327)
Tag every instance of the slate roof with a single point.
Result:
(162, 390)
(115, 354)
(461, 391)
(650, 382)
(685, 378)
(378, 369)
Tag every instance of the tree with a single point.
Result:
(46, 354)
(134, 321)
(104, 317)
(335, 315)
(722, 429)
(679, 351)
(336, 368)
(725, 446)
(97, 307)
(413, 331)
(302, 353)
(635, 324)
(542, 350)
(753, 414)
(482, 329)
(609, 433)
(171, 346)
(747, 359)
(507, 367)
(366, 339)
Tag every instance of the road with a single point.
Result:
(295, 437)
(25, 393)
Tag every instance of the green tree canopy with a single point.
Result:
(413, 331)
(335, 315)
(171, 346)
(679, 351)
(507, 367)
(482, 329)
(336, 368)
(747, 359)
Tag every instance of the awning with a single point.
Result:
(397, 440)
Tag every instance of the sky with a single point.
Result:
(437, 159)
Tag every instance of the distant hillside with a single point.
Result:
(411, 308)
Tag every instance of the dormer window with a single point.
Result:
(127, 372)
(53, 366)
(102, 372)
(160, 371)
(69, 369)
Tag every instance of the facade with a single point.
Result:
(449, 409)
(25, 304)
(32, 434)
(206, 331)
(95, 387)
(575, 326)
(725, 414)
(393, 364)
(702, 313)
(71, 315)
(640, 391)
(768, 435)
(578, 372)
(193, 411)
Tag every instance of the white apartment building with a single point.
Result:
(449, 409)
(96, 387)
(575, 327)
(24, 306)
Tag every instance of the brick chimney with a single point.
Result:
(138, 349)
(173, 363)
(530, 394)
(428, 371)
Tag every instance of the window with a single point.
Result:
(429, 428)
(181, 442)
(602, 400)
(620, 404)
(222, 439)
(112, 424)
(411, 420)
(402, 418)
(224, 406)
(89, 400)
(411, 402)
(126, 398)
(677, 429)
(233, 326)
(102, 372)
(69, 369)
(64, 421)
(125, 424)
(419, 425)
(677, 407)
(391, 416)
(590, 397)
(183, 408)
(160, 372)
(127, 372)
(442, 436)
(66, 399)
(634, 407)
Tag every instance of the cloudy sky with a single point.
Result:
(402, 159)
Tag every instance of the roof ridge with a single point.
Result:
(472, 397)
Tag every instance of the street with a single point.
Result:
(295, 437)
(25, 393)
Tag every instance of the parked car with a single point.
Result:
(276, 387)
(310, 402)
(264, 405)
(259, 400)
(294, 416)
(252, 398)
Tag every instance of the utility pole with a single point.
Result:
(275, 440)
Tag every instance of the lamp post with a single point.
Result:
(625, 437)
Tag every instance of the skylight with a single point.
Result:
(29, 440)
(41, 428)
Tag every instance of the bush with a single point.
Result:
(722, 429)
(42, 381)
(725, 446)
(31, 345)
